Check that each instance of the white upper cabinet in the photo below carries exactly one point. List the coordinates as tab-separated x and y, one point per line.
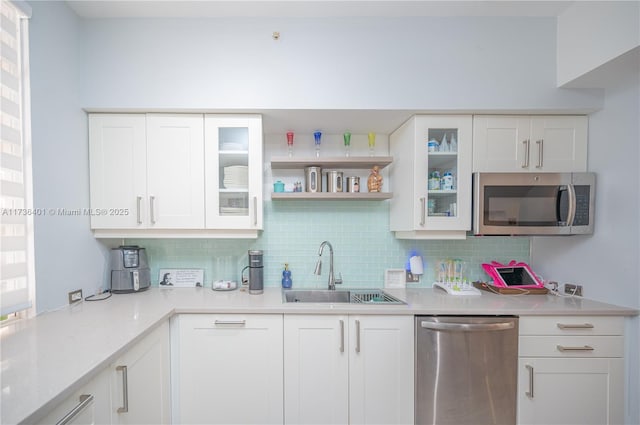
117	162
147	171
526	143
233	156
175	171
431	175
175	175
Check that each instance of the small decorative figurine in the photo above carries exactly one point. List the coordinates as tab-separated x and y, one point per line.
374	182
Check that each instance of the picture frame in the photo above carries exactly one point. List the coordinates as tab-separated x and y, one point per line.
181	278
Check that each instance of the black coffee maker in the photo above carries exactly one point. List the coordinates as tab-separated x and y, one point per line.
256	272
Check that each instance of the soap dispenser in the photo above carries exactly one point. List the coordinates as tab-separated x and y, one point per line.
286	277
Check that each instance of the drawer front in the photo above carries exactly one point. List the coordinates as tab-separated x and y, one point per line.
229	321
571	346
571	325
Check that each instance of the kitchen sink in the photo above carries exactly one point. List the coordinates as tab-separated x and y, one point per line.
352	296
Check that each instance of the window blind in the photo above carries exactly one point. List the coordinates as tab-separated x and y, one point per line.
16	203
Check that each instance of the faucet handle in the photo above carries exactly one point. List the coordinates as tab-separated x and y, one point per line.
338	281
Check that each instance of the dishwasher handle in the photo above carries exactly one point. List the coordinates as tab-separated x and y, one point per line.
467	327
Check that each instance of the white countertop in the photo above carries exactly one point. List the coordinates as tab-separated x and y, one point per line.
46	358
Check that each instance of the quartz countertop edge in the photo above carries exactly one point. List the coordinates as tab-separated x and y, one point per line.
68	347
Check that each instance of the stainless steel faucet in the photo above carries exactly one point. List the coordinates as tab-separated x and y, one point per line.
332	280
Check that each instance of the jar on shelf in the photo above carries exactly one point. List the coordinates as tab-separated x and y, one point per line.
447	181
434	181
432	145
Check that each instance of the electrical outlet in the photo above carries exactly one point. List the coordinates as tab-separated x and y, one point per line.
412	278
75	296
572	289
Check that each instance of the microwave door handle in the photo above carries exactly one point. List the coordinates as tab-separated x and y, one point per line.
571	216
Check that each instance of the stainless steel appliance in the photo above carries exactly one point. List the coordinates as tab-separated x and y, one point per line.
256	272
533	203
466	370
129	269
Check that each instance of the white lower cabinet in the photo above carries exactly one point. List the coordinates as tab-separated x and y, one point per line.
141	390
89	405
348	369
571	370
227	369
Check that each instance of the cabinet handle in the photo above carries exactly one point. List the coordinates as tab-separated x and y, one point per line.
530	392
85	401
139	209
562	348
152	208
255	211
525	164
125	390
342	336
230	322
357	336
575	326
540	144
422	211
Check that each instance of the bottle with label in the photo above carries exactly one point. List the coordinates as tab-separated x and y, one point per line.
434	181
447	181
286	277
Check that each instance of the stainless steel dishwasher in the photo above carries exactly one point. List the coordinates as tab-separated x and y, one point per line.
466	370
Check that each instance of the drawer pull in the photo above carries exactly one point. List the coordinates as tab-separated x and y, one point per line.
562	348
85	401
230	322
575	326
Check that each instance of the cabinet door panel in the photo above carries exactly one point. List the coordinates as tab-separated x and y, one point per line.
501	144
233	194
229	369
559	144
148	381
570	391
317	370
118	169
175	171
381	369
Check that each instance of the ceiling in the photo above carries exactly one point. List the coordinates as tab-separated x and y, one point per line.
311	8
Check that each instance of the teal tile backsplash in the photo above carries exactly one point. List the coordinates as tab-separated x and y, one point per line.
359	232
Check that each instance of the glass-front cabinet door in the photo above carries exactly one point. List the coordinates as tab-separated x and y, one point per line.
443	165
233	158
432	163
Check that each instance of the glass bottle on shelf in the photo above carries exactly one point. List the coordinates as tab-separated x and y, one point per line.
347	143
372	143
290	143
317	136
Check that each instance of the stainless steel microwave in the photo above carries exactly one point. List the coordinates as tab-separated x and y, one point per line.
533	203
